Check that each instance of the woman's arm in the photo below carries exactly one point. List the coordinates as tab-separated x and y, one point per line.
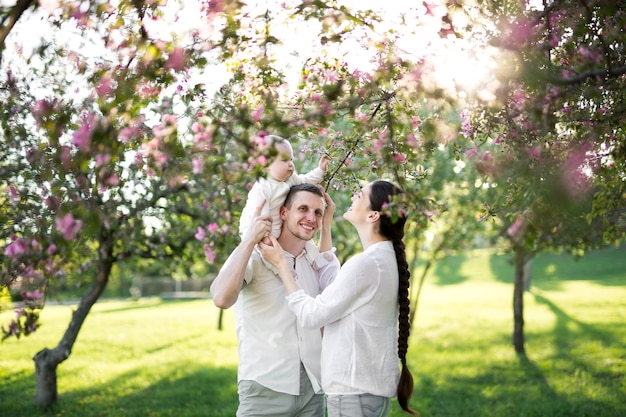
326	237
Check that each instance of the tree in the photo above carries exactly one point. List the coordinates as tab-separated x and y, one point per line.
553	135
129	155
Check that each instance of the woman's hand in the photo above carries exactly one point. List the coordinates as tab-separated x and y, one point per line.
273	252
329	211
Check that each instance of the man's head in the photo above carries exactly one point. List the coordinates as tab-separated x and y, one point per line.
302	212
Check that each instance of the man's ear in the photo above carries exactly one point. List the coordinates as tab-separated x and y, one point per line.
282	212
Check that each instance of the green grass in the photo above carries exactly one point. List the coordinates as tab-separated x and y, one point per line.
155	358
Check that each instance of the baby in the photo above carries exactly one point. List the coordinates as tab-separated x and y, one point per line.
281	175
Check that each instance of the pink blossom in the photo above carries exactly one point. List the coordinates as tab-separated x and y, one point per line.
471	152
52	249
212	227
82	137
213	7
13	193
102	159
104	87
16	249
411	140
196	127
66	155
199	233
52	203
260	141
110	179
377	146
68	226
198	166
36	245
256	115
575	180
466	126
210	255
40	109
515	227
148	91
49	5
127	133
32	295
534	152
176	59
399	157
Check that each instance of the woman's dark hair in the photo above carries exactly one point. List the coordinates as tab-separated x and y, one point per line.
392	227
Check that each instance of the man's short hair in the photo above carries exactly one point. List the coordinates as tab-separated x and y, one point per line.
295	189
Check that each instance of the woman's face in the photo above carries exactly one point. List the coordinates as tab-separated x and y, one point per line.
360	208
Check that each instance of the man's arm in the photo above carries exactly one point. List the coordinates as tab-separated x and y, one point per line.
229	281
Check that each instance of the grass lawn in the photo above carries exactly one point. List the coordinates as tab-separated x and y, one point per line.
167	358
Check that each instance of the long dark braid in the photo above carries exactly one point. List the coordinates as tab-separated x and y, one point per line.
382	193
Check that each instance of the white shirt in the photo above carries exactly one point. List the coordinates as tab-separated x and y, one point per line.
271	342
359	312
274	192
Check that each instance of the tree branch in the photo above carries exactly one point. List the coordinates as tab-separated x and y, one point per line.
9	21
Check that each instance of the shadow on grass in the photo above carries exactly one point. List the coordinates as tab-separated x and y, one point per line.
139	305
448	271
549	270
204	392
515	390
566	332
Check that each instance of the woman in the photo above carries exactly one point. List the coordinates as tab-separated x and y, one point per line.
361	312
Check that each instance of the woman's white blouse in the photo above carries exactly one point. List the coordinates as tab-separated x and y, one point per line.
359	313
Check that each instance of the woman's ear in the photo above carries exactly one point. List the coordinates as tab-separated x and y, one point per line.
373	217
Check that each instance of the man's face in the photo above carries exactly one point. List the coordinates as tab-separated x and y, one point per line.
304	216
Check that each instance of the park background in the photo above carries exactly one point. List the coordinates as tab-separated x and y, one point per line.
155	357
129	135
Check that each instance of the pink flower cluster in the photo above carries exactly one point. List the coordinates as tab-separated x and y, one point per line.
212	228
68	226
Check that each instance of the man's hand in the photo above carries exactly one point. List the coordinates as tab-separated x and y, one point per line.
261	226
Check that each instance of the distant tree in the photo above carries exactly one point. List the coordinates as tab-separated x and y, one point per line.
552	137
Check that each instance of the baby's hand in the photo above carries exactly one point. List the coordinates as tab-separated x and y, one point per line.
324	160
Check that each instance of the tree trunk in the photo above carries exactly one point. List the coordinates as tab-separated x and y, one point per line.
220	319
528	274
445	236
47	360
518	302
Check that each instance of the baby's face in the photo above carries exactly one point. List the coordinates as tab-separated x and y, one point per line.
282	167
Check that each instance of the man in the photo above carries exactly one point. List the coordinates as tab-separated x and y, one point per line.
279	361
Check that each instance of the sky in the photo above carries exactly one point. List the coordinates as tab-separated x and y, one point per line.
301	40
